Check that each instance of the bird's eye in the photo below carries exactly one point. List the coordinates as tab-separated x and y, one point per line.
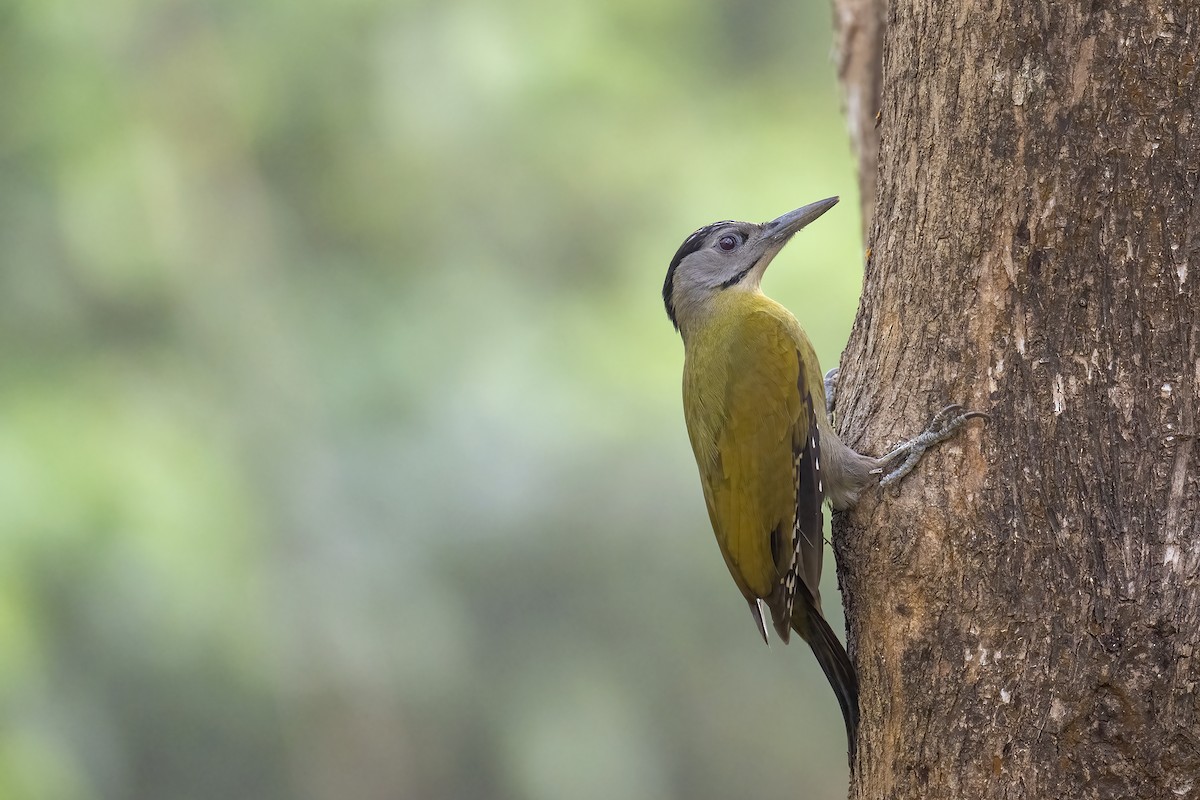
727	242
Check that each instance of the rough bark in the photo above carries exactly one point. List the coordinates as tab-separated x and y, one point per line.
1024	611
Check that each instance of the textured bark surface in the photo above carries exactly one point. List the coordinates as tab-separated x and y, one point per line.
1024	611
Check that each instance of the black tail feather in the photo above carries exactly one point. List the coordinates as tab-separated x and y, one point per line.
834	662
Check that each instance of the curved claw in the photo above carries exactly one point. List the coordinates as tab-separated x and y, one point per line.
943	425
940	417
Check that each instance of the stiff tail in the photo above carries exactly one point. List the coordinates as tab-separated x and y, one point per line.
809	623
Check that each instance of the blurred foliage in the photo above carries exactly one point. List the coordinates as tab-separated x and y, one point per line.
340	435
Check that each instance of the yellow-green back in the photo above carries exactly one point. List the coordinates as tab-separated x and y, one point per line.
747	412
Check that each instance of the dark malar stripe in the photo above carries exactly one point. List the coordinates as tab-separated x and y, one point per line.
737	278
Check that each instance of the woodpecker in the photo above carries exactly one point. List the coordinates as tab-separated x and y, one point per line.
758	416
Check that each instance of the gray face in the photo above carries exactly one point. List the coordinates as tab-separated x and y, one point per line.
728	254
713	258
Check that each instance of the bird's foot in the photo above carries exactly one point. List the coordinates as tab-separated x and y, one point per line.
831	379
944	425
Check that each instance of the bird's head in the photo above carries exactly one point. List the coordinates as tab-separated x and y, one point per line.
728	255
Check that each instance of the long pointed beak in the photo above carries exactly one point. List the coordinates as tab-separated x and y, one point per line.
782	229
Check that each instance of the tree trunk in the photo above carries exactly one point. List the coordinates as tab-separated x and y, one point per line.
859	26
1024	611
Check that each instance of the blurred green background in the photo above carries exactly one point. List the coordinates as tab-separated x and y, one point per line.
340	435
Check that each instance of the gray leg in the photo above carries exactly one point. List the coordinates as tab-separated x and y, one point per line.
944	424
831	379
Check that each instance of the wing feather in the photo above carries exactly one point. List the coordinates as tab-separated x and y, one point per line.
810	497
751	487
